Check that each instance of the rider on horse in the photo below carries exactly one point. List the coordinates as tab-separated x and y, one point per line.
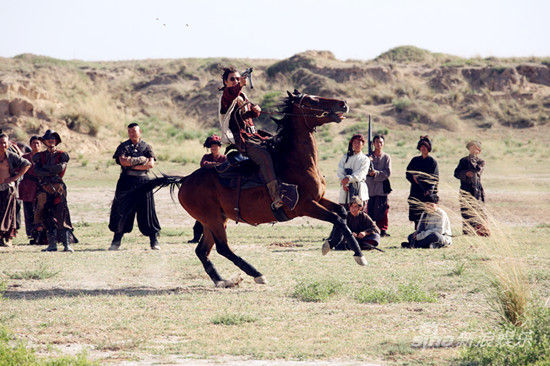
242	133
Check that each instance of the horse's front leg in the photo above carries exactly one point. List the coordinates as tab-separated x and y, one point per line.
222	247
318	211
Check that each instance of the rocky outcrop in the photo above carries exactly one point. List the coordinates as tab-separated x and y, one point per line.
538	74
492	78
19	107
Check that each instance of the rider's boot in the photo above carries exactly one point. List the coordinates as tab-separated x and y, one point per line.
275	194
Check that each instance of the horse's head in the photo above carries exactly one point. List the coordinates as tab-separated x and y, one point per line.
315	110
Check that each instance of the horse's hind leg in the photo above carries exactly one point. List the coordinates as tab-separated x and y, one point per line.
203	251
222	247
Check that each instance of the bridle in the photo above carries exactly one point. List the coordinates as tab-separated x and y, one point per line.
303	111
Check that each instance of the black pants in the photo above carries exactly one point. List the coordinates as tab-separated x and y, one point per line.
126	207
338	242
433	240
28	210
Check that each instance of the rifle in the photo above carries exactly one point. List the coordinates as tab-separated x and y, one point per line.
248	74
371	151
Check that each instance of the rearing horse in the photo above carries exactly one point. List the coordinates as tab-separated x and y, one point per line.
212	204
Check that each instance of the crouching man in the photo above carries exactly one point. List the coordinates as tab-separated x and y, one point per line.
434	227
362	228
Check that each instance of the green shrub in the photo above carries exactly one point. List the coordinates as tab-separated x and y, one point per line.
526	345
80	122
316	291
401	104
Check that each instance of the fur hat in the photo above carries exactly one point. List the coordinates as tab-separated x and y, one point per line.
51	134
214	139
424	140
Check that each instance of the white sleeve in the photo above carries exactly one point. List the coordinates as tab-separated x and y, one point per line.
360	174
340	172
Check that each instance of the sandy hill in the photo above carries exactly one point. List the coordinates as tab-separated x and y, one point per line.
91	102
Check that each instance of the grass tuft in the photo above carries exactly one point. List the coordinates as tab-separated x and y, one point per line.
316	291
458	270
404	293
526	345
232	319
41	273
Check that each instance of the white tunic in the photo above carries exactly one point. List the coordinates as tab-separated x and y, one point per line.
436	222
359	165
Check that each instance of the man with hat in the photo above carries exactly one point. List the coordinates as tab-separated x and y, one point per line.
135	158
214	143
471	192
51	196
423	173
12	167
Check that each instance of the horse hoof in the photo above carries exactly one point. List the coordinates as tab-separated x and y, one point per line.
360	260
325	248
260	280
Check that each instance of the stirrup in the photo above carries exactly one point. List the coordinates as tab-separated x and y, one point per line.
279	213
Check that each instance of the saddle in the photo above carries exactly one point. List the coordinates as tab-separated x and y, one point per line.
239	172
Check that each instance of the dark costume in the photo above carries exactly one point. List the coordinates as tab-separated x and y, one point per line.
8	196
377	205
426	171
51	212
122	218
357	224
28	188
471	194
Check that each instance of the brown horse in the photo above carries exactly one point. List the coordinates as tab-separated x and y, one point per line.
212	204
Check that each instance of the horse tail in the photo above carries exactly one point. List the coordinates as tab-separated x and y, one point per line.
128	198
172	181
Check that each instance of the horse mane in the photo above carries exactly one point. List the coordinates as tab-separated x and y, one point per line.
284	124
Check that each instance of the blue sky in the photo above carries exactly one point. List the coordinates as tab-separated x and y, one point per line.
351	29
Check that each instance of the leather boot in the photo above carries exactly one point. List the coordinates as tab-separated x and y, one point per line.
66	240
115	244
275	194
52	241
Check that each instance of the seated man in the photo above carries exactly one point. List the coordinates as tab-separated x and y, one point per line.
362	228
434	227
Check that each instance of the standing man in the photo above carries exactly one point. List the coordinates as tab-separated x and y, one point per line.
352	171
423	173
135	157
51	212
379	187
12	167
472	195
27	191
